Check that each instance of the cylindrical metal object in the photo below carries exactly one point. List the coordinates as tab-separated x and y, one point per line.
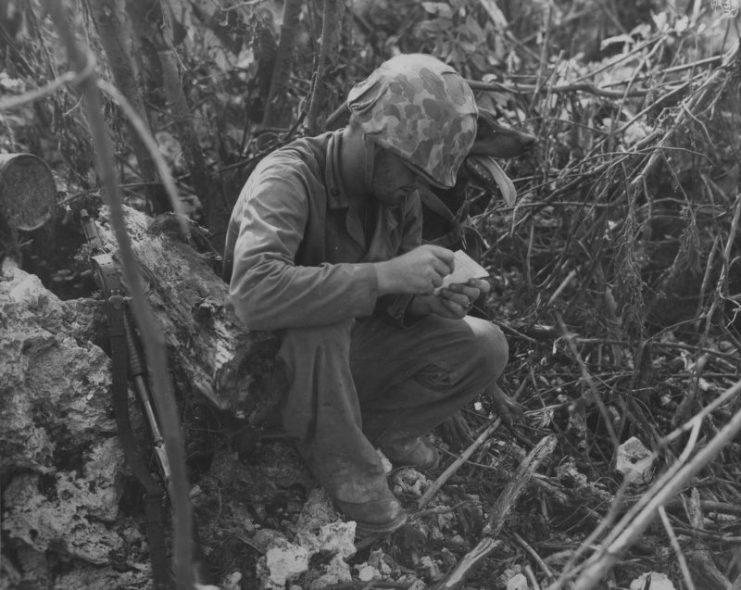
27	191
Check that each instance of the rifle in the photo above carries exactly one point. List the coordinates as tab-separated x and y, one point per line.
127	366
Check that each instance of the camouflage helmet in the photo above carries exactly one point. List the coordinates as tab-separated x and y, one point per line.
421	110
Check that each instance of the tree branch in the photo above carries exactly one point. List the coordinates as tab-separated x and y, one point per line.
154	349
275	106
330	41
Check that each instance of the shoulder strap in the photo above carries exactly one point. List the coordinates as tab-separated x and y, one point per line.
433	202
455	235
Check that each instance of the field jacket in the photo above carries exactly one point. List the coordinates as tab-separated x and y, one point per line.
297	256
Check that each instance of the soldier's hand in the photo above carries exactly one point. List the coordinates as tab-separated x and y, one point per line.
415	273
453	302
458	299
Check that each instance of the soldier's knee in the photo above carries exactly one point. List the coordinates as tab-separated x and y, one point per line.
489	348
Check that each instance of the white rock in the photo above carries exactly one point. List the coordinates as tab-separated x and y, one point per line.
335	572
652	581
232	581
517	582
431	568
635	461
286	561
319	527
366	573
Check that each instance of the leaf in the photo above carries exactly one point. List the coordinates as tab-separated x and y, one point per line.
474	30
440	9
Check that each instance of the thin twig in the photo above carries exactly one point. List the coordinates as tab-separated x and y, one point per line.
50	88
695	421
677	549
606	417
569	569
722	286
660	493
498	514
149	142
465	456
154	347
458	463
533	554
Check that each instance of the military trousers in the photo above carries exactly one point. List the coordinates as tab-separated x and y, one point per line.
361	384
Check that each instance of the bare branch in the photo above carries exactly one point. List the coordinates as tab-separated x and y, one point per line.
154	349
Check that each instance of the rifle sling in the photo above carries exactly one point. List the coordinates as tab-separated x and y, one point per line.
152	490
435	204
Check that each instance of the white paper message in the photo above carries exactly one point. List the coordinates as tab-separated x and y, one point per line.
465	268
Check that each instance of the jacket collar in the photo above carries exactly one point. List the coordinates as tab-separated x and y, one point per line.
337	199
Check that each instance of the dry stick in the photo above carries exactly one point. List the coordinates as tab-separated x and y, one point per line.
530	574
604	559
672	70
562	286
727	254
472	559
694	99
700	416
690	398
458	463
701	556
570	571
275	109
151	145
528	88
589	542
586	86
649	108
182	117
709	265
533	554
677	549
590	382
465	456
110	24
539	81
50	88
330	40
154	348
498	514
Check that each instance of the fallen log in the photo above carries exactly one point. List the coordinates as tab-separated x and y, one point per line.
212	357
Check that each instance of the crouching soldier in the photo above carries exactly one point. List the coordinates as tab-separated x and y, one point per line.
324	244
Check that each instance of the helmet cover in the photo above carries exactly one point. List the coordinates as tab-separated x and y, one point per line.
421	110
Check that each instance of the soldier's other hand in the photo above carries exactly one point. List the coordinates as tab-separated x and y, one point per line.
417	272
458	299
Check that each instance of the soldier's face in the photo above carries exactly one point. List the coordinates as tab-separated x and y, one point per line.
393	181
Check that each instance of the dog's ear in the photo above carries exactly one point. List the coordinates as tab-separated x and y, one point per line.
498	141
485	171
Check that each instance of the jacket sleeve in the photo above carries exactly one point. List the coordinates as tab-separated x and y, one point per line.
268	290
393	308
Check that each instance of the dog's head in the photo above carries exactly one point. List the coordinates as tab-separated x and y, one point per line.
493	141
441	208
